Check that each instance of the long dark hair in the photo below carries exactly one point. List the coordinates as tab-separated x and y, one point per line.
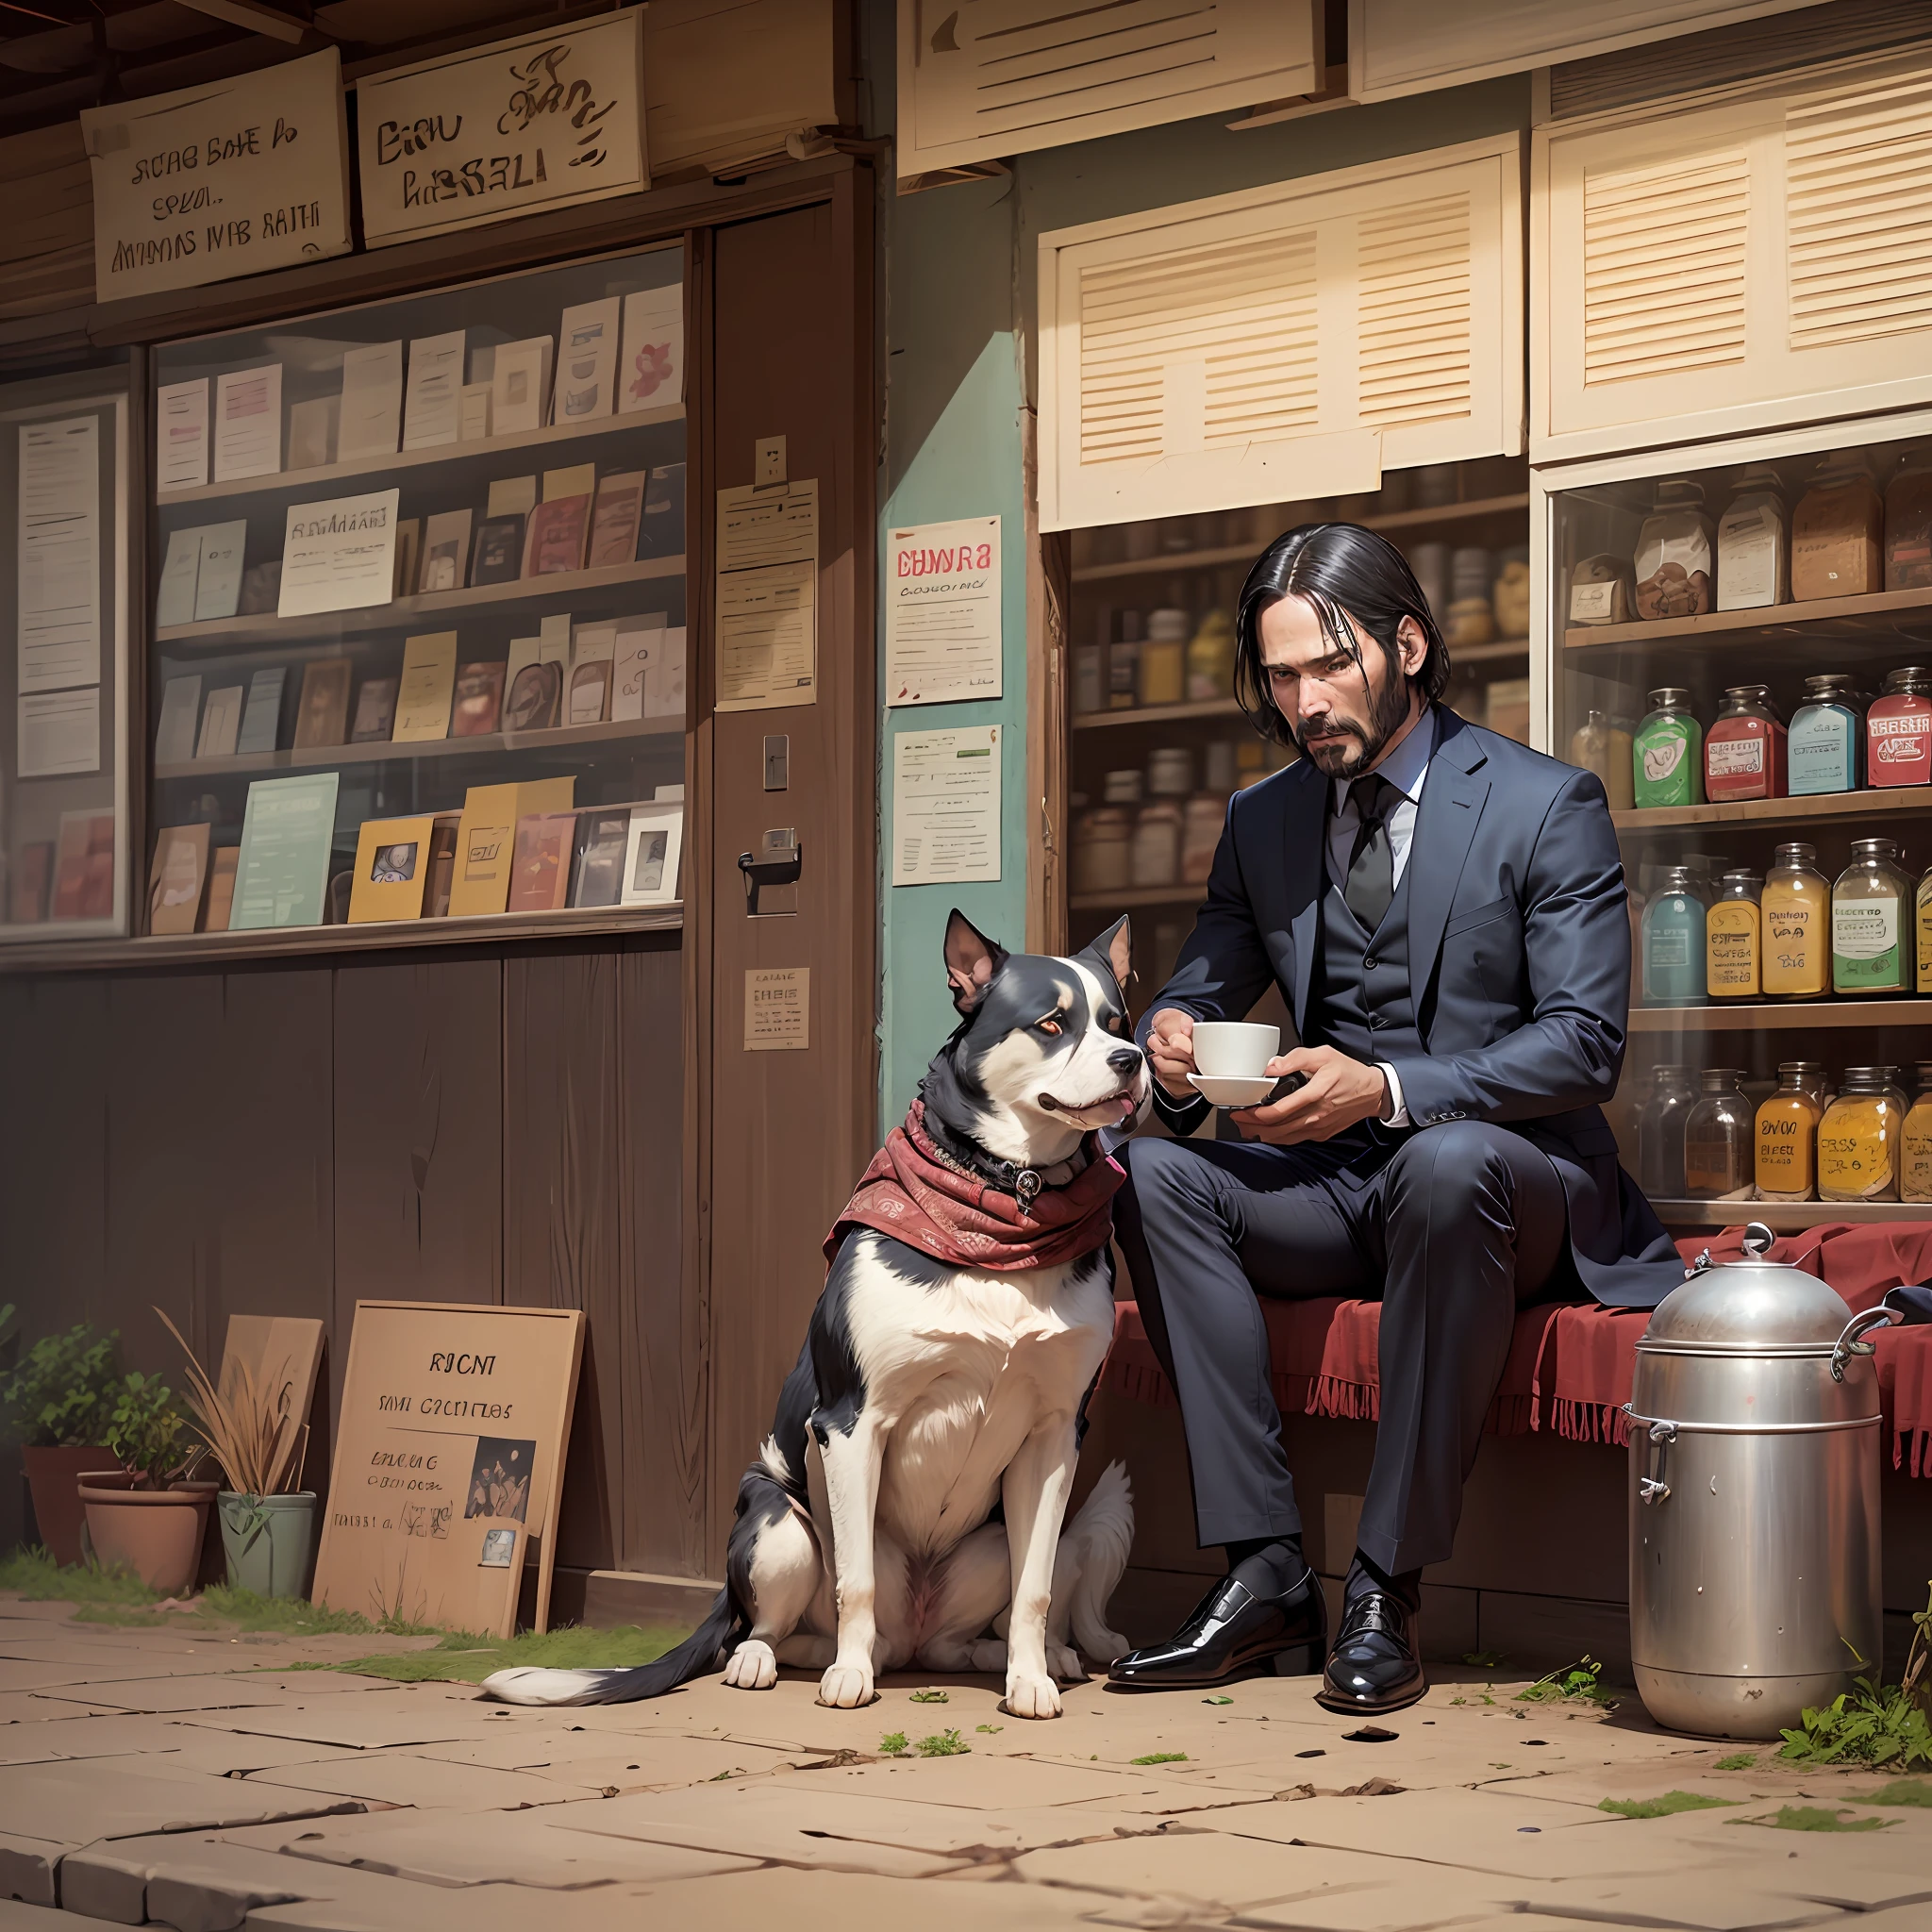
1337	568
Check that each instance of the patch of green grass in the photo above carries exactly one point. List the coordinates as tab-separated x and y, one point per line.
930	1697
893	1744
1871	1724
1161	1757
1815	1818
1665	1806
1581	1682
946	1744
1738	1760
36	1575
463	1658
989	1730
1902	1790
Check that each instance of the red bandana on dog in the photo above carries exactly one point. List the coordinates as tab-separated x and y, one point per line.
917	1197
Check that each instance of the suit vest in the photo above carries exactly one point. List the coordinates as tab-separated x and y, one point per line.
1359	1000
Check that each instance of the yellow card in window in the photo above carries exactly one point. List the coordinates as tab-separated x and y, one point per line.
428	682
391	869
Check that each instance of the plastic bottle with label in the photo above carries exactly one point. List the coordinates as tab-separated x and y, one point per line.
1796	906
1898	731
1734	939
1873	948
1674	944
1667	754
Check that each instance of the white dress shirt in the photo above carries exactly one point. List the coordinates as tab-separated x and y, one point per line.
1406	768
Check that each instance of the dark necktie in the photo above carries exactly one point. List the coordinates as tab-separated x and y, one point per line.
1372	864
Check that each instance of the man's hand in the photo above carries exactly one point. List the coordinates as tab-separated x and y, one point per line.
1171	1049
1339	1093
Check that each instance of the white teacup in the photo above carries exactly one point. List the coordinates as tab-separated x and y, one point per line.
1234	1048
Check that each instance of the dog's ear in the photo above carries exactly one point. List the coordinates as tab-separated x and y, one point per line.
971	960
1113	949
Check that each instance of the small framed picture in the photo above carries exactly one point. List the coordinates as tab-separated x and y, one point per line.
652	855
499	1547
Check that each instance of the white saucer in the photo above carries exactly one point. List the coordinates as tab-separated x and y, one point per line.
1234	1089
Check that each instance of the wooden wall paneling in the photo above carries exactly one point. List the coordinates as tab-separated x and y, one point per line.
661	1349
792	1130
560	1217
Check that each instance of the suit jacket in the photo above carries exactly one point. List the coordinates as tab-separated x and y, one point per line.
1519	965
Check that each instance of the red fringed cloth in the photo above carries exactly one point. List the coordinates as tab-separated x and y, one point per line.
1570	1366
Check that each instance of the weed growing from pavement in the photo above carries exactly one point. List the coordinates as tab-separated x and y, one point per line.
893	1744
1161	1757
1815	1818
946	1744
989	1730
1581	1682
1739	1761
1665	1806
930	1697
1882	1724
36	1575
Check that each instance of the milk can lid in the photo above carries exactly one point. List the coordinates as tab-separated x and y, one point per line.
1749	1306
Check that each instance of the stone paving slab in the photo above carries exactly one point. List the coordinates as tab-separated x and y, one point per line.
118	1734
973	1781
392	1777
767	1900
639	1764
355	1724
29	1868
122	1797
171	1696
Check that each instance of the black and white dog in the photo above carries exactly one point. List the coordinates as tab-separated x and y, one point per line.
908	1503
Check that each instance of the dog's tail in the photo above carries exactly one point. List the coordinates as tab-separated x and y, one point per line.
700	1651
1091	1562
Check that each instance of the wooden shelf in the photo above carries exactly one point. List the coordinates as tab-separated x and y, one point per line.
1130	898
1388	522
404	613
1751	1016
385	750
291	481
1857	613
1778	812
1786	1217
1158	714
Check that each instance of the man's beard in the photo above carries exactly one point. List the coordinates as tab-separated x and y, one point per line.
1354	747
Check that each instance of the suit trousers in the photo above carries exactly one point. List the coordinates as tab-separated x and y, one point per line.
1463	1224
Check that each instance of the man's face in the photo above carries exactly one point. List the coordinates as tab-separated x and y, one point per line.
1343	713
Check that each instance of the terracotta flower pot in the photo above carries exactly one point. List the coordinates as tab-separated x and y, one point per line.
51	1476
156	1533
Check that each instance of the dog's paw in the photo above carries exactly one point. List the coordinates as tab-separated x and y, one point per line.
753	1667
1032	1697
845	1687
1065	1665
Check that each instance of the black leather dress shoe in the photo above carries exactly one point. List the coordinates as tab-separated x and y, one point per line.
1231	1630
1374	1667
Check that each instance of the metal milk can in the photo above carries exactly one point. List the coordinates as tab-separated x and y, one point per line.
1753	1498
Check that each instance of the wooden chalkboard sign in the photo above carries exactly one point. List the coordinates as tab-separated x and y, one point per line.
449	1462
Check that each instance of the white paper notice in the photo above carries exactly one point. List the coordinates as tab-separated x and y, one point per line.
946	805
181	436
942	612
249	423
436	391
59	597
778	1010
372	402
339	556
767	597
60	733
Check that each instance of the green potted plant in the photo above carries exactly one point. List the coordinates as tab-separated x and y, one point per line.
145	1515
268	1525
58	1400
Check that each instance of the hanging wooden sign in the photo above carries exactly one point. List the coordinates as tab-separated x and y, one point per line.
541	122
217	181
449	1462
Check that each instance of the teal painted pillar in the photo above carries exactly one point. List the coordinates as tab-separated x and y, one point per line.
969	464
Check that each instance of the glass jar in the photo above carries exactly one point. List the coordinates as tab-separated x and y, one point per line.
1745	750
1838	532
1222	767
1674	944
1509	594
1754	558
1673	563
1869	947
1170	772
1719	1161
1210	658
1898	731
1660	1133
1430	563
1816	1081
1163	657
1796	908
1090	677
1909	529
1858	1140
1155	857
1102	839
1824	750
1124	664
1734	939
1667	754
1923	980
1915	1149
1787	1138
1598	746
1125	787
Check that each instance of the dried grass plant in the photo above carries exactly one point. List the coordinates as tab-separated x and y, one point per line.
247	1425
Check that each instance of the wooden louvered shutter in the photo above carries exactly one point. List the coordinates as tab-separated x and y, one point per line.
1762	259
979	79
1289	341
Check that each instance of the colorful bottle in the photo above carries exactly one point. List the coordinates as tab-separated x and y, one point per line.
1598	746
1869	942
1660	1133
1745	750
1210	658
1674	944
1858	1140
1824	750
1667	754
1753	560
1787	1138
1718	1131
1915	1142
1796	908
1163	657
1898	731
1734	939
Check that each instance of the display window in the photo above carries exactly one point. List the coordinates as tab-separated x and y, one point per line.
418	622
1741	649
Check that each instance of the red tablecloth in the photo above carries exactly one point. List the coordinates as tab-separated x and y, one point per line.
1570	1366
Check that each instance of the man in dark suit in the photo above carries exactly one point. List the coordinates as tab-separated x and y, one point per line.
1444	913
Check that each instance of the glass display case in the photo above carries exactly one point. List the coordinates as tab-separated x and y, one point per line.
417	632
1741	648
1155	741
64	783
